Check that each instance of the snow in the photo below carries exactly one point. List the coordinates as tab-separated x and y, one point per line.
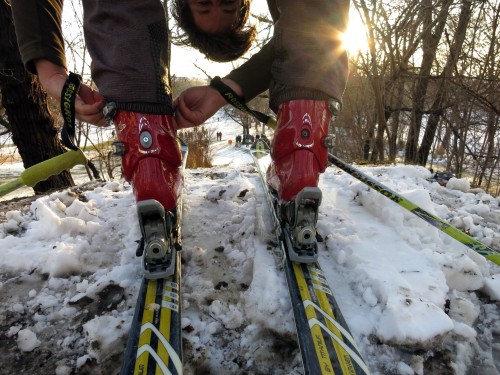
411	295
27	340
461	184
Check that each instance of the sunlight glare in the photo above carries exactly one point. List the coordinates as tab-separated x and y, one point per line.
354	39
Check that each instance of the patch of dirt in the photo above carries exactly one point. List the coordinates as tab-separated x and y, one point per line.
16	204
62	341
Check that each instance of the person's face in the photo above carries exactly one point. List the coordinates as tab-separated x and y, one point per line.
215	16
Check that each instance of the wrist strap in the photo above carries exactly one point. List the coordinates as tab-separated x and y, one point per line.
68	96
238	101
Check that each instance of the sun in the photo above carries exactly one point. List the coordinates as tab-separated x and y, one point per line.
354	39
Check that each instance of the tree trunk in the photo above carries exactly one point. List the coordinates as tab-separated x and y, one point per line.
392	136
430	40
441	96
367	143
493	119
33	128
380	113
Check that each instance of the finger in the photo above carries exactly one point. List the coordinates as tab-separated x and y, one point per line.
89	95
99	120
180	100
91	113
86	94
186	112
84	108
94	119
176	102
182	122
102	123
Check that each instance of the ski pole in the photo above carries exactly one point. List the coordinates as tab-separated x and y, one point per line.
457	234
443	226
238	102
42	171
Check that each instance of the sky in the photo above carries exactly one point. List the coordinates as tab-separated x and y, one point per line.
416	301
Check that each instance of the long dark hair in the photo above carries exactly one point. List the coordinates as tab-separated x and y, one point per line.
220	48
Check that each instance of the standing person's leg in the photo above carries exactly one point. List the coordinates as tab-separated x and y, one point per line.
129	46
130	50
309	75
310	61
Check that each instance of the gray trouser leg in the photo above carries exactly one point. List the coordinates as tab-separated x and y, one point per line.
309	60
129	46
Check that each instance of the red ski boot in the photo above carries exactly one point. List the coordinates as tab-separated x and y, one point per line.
151	161
299	155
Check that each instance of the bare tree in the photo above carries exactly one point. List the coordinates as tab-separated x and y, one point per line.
33	128
429	81
432	31
443	87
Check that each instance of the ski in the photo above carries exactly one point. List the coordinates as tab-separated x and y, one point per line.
459	235
325	341
154	345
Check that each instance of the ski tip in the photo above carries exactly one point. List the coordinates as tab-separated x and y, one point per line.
260	145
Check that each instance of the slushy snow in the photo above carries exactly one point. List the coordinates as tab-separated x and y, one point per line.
411	295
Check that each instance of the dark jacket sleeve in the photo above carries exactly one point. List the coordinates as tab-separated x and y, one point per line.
305	59
254	76
38	30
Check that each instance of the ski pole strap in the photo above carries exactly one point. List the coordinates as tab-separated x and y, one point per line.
68	96
239	102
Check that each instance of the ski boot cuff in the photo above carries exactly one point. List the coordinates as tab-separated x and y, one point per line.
280	94
147	108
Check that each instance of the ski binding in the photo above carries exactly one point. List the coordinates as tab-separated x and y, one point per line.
302	230
158	247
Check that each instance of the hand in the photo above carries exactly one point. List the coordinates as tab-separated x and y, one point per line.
88	103
197	104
